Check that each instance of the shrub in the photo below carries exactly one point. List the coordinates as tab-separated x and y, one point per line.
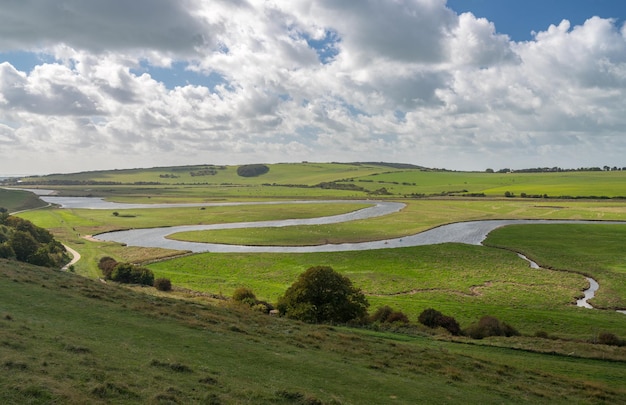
122	272
490	326
435	319
386	314
610	339
450	324
322	295
128	273
397	316
245	296
163	284
142	275
6	251
430	317
106	265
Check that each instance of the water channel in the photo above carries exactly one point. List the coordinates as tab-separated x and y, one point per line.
470	232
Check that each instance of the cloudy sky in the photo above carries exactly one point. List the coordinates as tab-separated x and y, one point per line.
462	84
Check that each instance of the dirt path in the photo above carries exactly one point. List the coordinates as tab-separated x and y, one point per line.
75	257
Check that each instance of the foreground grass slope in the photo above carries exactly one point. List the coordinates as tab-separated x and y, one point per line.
67	339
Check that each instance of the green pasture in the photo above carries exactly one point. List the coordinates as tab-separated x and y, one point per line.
593	250
572	184
464	281
68	339
72	226
177	182
280	173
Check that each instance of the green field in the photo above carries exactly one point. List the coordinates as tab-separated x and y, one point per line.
19	200
463	281
68	339
293	180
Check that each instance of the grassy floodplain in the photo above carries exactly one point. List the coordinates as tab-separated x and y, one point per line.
594	250
459	280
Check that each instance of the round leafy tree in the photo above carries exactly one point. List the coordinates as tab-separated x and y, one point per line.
321	295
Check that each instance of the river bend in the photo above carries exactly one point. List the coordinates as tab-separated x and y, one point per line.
470	232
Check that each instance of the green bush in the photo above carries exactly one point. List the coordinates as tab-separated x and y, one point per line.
130	274
386	314
163	284
6	251
106	265
245	296
430	317
321	295
490	326
435	319
610	339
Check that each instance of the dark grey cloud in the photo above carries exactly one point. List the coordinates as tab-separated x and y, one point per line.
99	25
407	31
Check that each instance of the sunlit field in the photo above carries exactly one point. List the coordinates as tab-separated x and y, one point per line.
462	281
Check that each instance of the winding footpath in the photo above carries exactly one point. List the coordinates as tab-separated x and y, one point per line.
470	232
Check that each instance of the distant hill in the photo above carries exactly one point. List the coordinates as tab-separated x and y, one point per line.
393	165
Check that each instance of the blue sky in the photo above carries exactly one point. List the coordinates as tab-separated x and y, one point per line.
87	85
518	19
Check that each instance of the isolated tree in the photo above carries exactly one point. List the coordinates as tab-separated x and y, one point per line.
321	295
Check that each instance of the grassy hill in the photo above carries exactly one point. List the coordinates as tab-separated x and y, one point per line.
18	200
68	339
343	180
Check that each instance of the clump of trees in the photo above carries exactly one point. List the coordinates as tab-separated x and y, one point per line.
321	295
252	170
126	273
23	241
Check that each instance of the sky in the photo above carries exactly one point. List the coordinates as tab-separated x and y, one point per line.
458	84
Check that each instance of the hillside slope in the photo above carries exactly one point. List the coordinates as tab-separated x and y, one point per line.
67	339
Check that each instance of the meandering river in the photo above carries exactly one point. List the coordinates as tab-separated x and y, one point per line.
470	232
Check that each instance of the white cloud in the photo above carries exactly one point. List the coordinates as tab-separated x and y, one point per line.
408	80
